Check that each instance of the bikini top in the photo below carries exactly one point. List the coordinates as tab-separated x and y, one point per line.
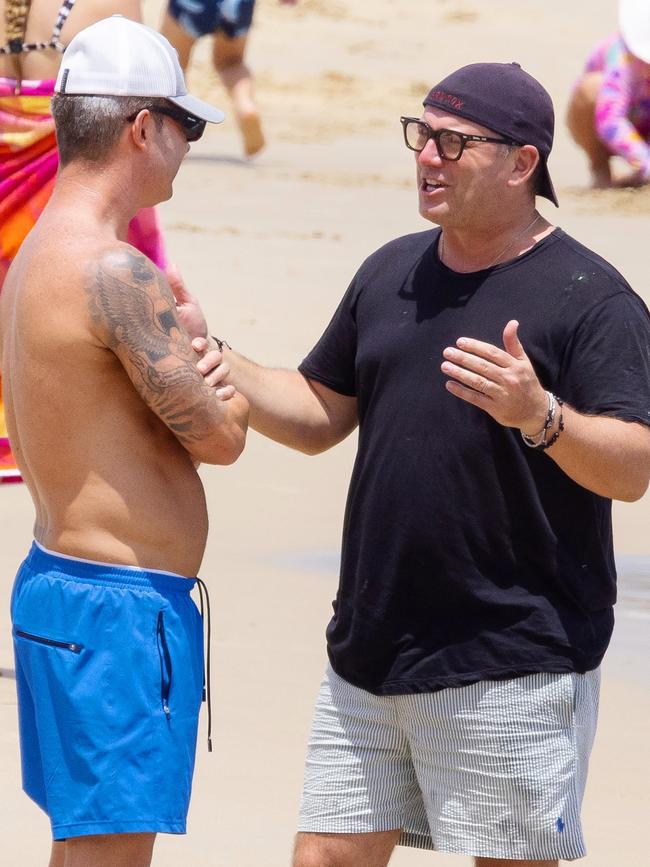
16	13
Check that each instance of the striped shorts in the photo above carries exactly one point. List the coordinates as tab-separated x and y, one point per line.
496	769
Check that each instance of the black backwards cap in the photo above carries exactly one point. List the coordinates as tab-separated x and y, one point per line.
505	99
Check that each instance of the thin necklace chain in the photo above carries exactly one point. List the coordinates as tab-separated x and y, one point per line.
510	243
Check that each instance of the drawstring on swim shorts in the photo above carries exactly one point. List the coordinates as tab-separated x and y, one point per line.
206	661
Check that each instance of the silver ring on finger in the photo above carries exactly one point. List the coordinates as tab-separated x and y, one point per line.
482	386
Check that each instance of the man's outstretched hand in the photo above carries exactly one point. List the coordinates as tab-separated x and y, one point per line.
502	382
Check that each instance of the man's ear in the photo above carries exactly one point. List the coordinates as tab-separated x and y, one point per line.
140	129
526	160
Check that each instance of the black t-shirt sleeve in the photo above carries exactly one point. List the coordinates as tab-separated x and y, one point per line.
332	360
606	366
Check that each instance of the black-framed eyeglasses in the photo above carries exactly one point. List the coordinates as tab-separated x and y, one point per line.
449	143
193	127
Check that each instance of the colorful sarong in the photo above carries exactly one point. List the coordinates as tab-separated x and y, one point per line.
28	166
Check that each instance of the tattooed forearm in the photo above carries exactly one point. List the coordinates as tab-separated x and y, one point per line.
134	311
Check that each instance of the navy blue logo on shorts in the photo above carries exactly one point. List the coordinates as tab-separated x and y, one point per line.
559	824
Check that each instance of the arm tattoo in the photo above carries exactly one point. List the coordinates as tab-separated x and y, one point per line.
135	313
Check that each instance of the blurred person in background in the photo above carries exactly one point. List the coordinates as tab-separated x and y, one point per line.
32	39
609	110
228	21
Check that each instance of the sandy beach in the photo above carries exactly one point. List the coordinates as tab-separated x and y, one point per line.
269	247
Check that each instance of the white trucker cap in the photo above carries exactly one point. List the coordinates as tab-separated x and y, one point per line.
634	24
120	57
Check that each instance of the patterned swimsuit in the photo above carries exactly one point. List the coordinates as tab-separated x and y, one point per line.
623	102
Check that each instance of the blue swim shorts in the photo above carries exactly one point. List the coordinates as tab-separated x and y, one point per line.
109	673
200	17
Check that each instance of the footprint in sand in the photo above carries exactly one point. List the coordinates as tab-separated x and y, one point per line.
628	200
461	16
362	47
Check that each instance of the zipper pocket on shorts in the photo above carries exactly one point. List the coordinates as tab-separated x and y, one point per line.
165	665
49	642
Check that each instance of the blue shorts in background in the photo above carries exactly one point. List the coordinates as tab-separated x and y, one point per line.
109	673
200	17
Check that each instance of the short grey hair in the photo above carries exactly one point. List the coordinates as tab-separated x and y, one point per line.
88	127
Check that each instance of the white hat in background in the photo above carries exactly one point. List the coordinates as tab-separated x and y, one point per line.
120	57
634	24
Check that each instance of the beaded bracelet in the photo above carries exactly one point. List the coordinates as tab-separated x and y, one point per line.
559	430
536	441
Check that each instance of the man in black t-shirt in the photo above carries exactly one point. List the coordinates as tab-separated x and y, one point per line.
499	373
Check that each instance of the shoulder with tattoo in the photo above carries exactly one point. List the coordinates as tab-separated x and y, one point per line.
133	313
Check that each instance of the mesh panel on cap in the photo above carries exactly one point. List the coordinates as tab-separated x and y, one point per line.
122	58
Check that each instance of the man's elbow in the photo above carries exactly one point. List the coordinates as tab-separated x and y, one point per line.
223	452
232	451
311	447
635	490
227	441
636	483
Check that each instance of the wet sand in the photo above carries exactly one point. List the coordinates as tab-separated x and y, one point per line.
269	247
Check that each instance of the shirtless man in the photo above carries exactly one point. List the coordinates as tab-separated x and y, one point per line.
109	661
33	36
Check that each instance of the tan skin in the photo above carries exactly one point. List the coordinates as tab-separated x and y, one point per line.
581	122
484	203
228	59
42	15
127	490
371	850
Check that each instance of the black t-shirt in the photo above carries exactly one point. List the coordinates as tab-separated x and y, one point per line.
466	555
